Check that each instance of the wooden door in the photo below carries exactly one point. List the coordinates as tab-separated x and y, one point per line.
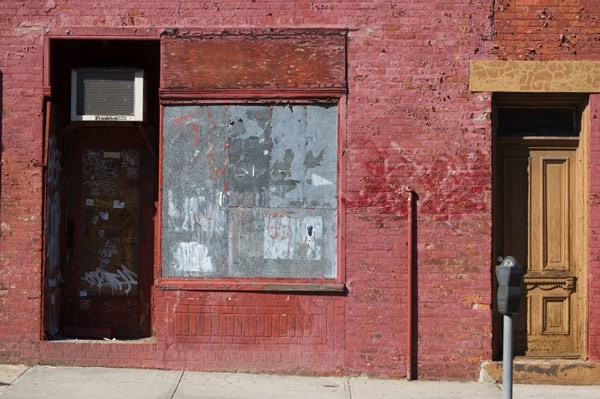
111	208
539	227
553	319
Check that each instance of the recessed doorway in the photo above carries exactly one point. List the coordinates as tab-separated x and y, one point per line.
540	174
101	188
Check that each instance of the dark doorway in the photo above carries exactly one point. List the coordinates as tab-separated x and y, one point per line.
101	191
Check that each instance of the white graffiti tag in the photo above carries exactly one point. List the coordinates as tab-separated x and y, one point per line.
123	278
106	252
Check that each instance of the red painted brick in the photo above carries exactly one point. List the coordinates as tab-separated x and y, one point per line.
410	123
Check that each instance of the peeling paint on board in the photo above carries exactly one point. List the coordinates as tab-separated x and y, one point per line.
250	190
194	199
190	256
248	156
283	242
287	237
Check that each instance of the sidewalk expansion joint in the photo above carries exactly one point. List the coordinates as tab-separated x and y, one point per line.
347	388
177	385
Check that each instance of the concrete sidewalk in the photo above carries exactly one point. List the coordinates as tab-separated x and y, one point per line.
98	382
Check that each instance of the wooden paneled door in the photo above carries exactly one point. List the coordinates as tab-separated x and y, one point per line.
540	187
553	319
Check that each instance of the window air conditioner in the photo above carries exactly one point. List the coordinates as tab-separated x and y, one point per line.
107	94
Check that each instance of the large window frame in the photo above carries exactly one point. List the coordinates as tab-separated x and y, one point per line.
257	283
249	67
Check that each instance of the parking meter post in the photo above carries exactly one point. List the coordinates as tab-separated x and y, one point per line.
508	297
507	358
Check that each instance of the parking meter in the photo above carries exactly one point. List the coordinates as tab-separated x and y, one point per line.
509	274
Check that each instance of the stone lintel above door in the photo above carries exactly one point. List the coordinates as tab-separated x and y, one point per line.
535	76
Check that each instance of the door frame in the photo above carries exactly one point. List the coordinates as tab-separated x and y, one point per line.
582	189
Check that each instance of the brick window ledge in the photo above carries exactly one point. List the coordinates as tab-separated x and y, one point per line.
260	285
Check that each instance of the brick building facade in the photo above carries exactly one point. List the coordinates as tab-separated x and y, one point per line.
301	175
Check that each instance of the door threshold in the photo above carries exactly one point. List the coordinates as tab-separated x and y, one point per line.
550	358
120	340
555	371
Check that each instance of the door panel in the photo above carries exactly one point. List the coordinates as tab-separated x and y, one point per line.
552	194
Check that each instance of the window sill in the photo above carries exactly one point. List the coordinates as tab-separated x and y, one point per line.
256	285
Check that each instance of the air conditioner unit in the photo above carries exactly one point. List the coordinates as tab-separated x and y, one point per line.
107	94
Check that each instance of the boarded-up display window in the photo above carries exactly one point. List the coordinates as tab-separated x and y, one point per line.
250	191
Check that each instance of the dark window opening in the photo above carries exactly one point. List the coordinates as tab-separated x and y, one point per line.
537	121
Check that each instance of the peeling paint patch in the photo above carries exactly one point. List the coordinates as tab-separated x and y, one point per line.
293	238
191	257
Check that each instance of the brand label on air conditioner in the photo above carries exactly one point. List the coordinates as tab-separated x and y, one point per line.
110	118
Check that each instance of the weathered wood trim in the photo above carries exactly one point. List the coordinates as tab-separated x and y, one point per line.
197	284
178	96
311	60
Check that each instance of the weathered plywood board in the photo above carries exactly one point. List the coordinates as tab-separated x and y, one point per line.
294	243
250	190
254	61
194	202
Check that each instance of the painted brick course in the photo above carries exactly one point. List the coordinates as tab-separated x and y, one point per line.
411	124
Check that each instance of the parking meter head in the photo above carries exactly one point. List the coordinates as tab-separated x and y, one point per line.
509	275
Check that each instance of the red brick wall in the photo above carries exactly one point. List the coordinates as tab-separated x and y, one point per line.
547	29
20	186
411	123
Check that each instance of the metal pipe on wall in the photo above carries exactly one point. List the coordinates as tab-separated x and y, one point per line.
410	261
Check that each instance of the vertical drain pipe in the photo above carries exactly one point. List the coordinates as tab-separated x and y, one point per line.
409	333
